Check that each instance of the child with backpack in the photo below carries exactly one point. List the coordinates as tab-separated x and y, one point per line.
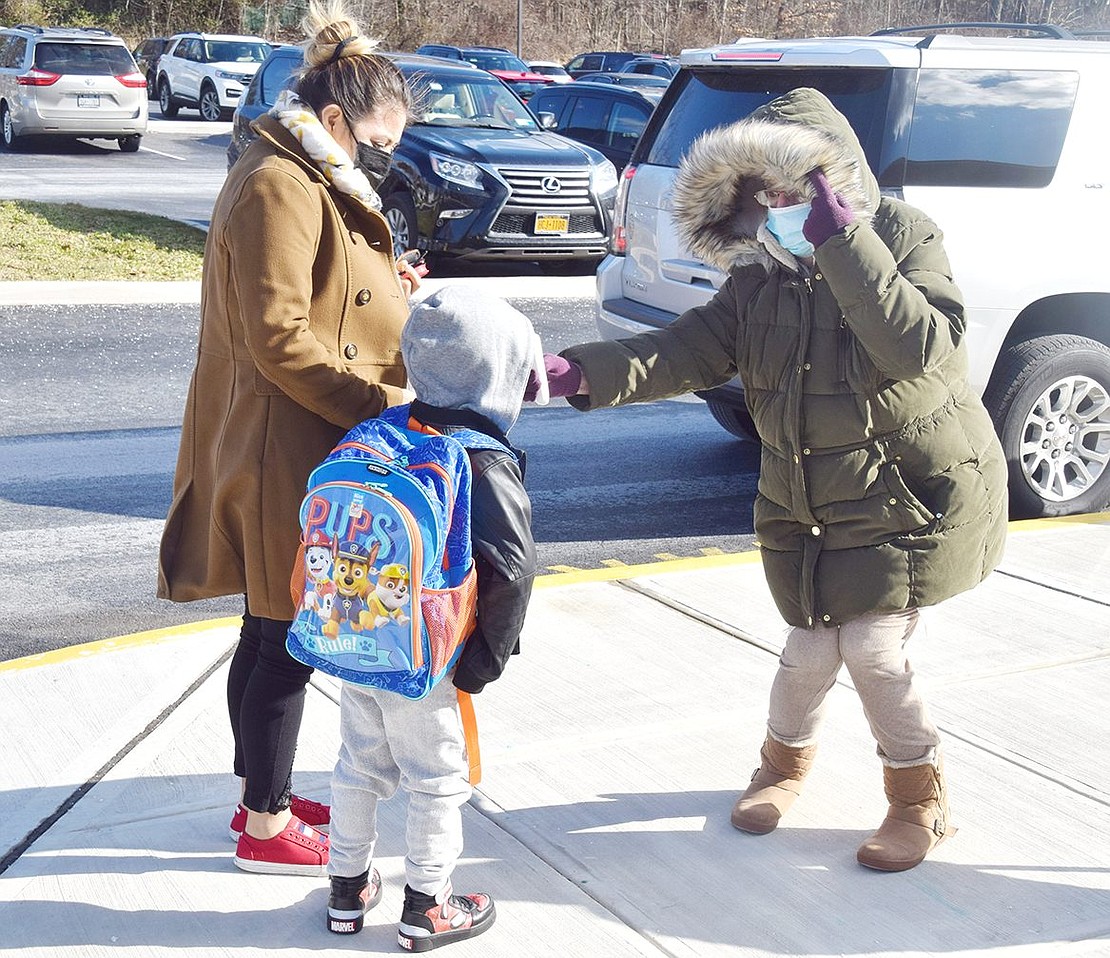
468	358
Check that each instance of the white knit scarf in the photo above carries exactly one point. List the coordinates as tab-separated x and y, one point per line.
297	117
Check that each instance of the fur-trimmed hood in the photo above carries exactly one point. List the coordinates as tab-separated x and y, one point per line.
775	147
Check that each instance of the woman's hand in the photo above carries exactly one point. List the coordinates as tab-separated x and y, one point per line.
410	278
564	378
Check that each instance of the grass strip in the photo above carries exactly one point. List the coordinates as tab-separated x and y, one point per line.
67	241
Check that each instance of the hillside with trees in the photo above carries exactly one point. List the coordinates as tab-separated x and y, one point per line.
555	29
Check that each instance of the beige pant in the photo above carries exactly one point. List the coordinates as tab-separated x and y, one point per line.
873	647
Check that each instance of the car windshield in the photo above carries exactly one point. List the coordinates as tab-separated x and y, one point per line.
235	51
496	61
478	102
84	59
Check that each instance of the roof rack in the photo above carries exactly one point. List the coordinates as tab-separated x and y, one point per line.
100	31
1045	29
1086	34
28	26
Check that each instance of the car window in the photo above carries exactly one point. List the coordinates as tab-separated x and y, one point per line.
14	53
234	51
275	77
626	123
586	120
705	99
551	101
83	59
495	61
454	102
988	127
187	50
589	63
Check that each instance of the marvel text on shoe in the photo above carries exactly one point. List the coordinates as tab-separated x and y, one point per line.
457	918
349	900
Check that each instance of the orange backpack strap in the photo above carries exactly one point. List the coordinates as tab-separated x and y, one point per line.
470	735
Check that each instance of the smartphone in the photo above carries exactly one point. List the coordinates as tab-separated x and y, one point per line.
415	259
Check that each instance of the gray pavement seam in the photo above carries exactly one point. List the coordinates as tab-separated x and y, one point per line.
17	850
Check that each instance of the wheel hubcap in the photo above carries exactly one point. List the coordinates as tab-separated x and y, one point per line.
211	106
1065	444
7	128
399	227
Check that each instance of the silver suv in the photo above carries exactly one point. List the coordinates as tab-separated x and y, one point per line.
1003	143
70	82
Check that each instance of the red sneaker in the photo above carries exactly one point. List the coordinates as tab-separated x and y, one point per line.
310	812
299	850
427	923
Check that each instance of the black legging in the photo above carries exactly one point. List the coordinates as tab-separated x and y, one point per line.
265	699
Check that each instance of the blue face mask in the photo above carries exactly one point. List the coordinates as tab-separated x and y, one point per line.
785	224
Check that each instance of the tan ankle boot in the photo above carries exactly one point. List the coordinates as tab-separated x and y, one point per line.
775	785
915	823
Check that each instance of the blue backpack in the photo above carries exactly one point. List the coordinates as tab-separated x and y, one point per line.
385	583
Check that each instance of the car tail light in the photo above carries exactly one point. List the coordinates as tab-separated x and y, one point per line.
133	80
37	77
618	244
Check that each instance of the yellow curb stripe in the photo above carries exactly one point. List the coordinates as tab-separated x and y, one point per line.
563	576
566	576
86	649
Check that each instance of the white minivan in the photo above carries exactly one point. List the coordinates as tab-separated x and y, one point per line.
1003	142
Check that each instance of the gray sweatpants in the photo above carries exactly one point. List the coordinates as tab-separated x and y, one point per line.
873	647
388	740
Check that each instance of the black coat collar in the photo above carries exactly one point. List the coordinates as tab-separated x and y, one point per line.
466	418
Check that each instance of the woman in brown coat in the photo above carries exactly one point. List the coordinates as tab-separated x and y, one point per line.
301	314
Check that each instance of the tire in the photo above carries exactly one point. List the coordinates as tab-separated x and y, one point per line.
209	105
400	214
165	99
151	87
130	144
7	129
735	419
1049	398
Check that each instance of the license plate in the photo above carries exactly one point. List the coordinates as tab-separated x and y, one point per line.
90	100
552	223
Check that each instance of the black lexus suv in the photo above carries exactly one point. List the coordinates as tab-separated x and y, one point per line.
476	176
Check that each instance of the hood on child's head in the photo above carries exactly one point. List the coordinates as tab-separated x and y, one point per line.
464	349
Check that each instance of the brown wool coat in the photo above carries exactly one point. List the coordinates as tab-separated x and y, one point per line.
301	316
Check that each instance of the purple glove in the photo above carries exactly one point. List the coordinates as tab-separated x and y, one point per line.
563	378
828	213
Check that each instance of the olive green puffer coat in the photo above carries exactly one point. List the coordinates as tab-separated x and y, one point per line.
882	484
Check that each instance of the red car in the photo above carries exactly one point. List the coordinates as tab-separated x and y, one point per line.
500	62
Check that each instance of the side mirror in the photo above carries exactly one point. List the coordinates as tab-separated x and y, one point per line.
547	120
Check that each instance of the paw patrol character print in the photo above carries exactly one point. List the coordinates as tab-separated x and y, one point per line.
325	603
390	595
319	551
353	568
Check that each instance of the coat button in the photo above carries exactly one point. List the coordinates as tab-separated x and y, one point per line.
362	297
806	452
816	530
350	351
826	618
819	276
893	502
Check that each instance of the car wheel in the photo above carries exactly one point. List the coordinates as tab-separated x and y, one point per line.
735	419
11	138
210	108
165	99
400	214
1049	398
130	144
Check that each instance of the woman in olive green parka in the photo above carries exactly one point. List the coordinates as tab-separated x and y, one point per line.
882	486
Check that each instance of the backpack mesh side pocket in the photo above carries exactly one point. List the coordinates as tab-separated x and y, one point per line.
449	617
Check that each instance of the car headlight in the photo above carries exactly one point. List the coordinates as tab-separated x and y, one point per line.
225	75
456	171
605	177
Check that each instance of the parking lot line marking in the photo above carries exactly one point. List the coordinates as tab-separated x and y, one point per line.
147	149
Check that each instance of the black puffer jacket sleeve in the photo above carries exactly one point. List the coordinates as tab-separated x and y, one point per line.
505	558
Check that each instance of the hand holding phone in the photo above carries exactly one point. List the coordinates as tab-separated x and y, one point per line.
414	260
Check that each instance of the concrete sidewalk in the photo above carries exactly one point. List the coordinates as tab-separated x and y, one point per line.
612	751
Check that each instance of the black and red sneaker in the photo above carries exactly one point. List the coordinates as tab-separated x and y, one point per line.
350	900
427	923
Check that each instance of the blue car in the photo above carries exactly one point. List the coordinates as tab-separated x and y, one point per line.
476	176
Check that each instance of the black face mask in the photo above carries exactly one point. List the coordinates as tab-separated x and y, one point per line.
372	160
